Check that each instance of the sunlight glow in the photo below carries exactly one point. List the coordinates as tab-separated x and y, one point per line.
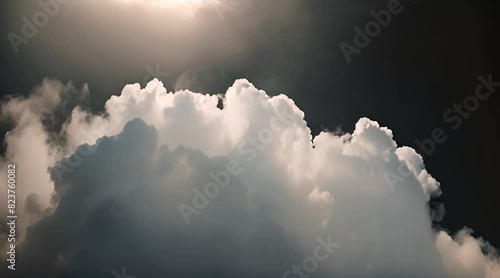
184	7
166	2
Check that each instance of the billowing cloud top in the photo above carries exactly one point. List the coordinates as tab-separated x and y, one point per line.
182	185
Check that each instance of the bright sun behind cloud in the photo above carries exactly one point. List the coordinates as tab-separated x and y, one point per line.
166	2
183	7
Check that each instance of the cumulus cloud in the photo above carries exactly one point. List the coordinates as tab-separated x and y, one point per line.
171	185
466	256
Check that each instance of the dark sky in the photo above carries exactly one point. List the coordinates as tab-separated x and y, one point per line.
428	58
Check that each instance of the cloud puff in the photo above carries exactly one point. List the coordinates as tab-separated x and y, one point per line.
466	256
170	185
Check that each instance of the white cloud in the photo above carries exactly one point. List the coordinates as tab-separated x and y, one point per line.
466	256
118	197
